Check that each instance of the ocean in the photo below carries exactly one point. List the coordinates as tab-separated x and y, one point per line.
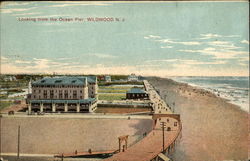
234	89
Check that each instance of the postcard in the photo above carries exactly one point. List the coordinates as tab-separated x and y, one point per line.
124	80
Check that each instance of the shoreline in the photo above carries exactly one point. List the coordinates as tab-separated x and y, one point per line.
213	128
211	92
217	93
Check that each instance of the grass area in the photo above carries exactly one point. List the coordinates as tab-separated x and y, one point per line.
117	87
4	104
13	84
119	83
17	97
112	89
110	97
3	96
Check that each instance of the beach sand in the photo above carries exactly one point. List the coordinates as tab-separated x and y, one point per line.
56	135
213	129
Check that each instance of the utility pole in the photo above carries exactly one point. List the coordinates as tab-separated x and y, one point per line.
0	136
18	142
163	125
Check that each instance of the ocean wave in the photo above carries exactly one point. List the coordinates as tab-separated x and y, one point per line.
230	90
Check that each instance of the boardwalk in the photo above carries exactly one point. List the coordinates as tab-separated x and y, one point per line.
76	154
152	145
149	147
159	106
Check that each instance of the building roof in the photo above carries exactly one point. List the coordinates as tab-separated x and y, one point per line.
136	90
65	80
89	100
91	79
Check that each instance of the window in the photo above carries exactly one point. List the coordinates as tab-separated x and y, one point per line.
60	94
51	93
80	91
74	94
175	123
66	94
45	94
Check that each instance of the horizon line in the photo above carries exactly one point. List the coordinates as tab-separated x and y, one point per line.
58	74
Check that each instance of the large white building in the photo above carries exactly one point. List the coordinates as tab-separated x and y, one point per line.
132	78
64	94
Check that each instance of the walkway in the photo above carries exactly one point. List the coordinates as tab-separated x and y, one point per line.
80	116
152	145
159	106
76	154
149	147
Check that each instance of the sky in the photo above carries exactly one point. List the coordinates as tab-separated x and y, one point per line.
145	38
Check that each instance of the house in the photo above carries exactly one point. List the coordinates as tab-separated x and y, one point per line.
64	94
108	78
136	93
132	78
10	78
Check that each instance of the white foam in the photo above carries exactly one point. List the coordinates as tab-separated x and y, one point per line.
236	95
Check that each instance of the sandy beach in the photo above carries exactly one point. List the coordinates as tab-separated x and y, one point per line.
213	129
56	135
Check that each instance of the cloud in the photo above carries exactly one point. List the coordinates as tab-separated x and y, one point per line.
163	47
196	62
162	60
26	14
3	58
223	44
218	53
165	41
210	36
41	65
102	55
9	3
70	4
16	10
189	43
152	37
65	58
187	62
245	42
38	65
22	62
171	41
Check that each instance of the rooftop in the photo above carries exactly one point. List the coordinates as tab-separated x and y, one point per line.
65	80
136	90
